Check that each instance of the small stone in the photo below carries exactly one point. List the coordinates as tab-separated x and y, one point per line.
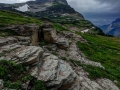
24	86
62	43
1	84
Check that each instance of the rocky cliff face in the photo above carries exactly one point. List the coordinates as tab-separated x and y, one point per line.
112	29
47	1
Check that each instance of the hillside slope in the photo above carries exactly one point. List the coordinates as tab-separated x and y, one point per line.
53	56
12	18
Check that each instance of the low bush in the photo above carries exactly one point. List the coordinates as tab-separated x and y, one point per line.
14	75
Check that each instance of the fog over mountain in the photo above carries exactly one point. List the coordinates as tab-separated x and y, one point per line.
100	12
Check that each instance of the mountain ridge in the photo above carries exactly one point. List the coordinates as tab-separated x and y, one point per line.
45	8
112	29
57	11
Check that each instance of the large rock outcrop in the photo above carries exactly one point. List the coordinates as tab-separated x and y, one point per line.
55	72
46	31
30	30
14	51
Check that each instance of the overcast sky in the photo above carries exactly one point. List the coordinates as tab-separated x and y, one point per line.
98	11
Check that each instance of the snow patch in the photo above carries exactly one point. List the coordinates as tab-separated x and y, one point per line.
84	31
23	8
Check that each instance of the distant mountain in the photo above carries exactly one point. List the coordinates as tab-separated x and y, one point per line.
112	29
57	11
51	9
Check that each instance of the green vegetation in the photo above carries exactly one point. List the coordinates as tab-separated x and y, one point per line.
59	27
94	72
39	85
105	50
56	13
54	53
13	75
63	19
84	24
6	33
12	18
2	54
49	48
63	58
42	43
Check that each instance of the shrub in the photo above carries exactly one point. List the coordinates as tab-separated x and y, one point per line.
39	85
13	75
63	58
42	43
54	53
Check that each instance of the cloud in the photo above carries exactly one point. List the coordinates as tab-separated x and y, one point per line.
88	5
13	1
98	11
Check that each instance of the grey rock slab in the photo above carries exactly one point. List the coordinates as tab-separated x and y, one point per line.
8	48
29	55
23	40
54	71
7	40
107	84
